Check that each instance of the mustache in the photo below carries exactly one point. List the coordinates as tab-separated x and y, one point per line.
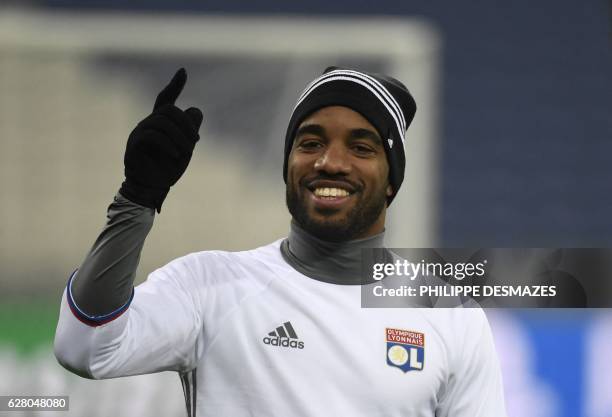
310	182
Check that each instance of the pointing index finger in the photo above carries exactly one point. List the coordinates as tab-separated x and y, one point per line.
171	92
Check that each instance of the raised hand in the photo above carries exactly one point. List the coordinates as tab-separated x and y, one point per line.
160	147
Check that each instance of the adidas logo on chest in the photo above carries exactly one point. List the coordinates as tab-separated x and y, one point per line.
284	336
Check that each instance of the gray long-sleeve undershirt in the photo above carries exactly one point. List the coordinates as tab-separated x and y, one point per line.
105	279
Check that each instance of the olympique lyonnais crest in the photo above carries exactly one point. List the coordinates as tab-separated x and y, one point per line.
405	349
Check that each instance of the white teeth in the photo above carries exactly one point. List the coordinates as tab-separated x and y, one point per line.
330	192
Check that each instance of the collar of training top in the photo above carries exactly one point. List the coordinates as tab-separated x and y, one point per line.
331	262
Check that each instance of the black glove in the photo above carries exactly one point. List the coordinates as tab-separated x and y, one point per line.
160	147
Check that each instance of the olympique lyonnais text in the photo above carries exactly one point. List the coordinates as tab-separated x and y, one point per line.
411	270
470	291
406	336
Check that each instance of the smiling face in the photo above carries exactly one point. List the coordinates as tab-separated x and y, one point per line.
338	176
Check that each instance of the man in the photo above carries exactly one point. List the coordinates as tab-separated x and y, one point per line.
279	330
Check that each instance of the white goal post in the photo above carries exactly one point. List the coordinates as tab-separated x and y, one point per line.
62	52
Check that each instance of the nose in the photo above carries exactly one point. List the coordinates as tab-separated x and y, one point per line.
335	160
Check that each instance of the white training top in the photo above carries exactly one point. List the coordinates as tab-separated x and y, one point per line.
251	336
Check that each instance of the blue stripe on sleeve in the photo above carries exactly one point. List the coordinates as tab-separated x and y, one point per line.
90	320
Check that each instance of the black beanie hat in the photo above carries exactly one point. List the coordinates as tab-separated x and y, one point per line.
384	101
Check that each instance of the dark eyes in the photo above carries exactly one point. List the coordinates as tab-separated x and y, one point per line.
315	144
310	144
363	149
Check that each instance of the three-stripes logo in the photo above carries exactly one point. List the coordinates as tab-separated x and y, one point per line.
284	336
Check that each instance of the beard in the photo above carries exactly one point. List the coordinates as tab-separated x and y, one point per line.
352	225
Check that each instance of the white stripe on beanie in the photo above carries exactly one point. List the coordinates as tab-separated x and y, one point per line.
376	84
371	84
